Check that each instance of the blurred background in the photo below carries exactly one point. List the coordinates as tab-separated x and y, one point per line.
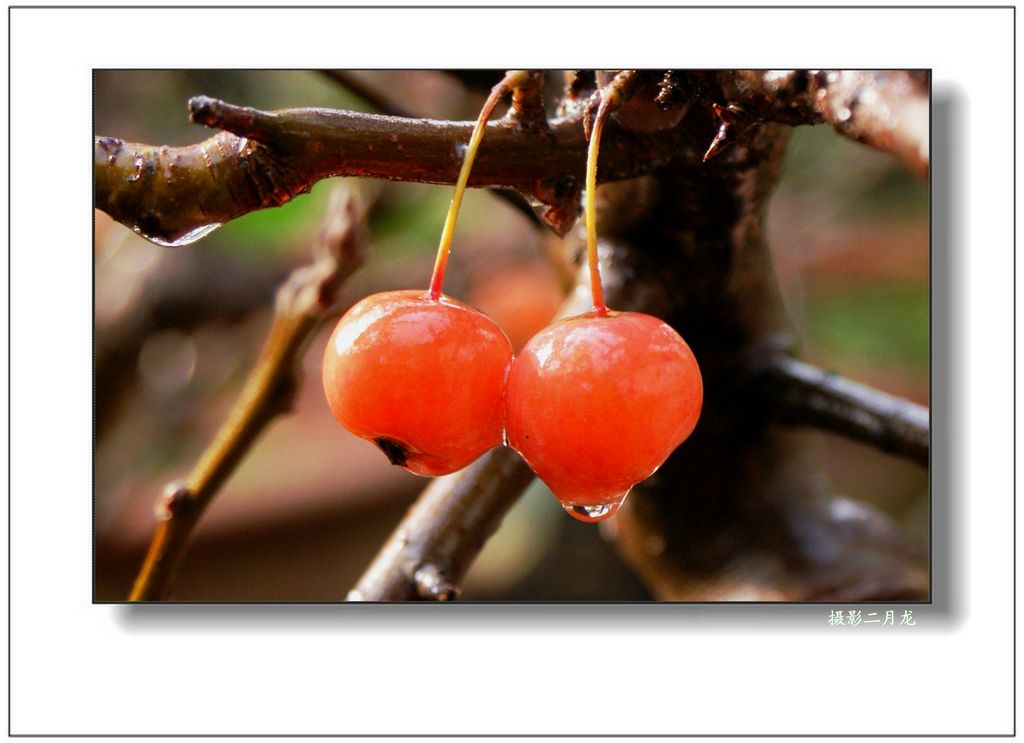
178	329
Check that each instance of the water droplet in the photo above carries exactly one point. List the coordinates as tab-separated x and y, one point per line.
592	513
140	167
187	238
173	498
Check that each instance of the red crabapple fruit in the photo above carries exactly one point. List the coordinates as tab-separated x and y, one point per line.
421	378
595	403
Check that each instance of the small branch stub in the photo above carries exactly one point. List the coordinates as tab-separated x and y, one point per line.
175	497
432	584
732	125
528	102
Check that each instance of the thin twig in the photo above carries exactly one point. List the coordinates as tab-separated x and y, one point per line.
428	554
799	393
305	299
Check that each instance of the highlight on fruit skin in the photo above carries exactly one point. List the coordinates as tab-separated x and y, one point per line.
421	378
595	404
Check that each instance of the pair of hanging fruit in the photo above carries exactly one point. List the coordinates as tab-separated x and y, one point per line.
594	403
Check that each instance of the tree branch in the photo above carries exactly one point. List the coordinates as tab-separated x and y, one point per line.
428	554
172	194
885	109
266	158
383	103
302	303
799	393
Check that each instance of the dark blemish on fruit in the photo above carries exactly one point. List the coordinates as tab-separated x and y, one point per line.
394	451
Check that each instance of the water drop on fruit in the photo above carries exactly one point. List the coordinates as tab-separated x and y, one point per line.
592	513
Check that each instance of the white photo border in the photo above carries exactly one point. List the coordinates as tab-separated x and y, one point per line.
76	668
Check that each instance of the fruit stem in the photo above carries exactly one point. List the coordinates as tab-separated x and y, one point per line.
611	97
513	79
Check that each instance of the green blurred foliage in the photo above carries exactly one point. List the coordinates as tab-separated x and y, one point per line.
863	185
883	323
843	191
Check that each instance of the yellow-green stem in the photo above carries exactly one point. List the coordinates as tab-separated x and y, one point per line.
610	97
511	80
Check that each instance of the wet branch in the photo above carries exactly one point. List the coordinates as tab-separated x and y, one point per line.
800	393
380	100
265	158
885	109
305	299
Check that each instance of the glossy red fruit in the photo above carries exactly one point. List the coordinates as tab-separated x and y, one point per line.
595	404
423	379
